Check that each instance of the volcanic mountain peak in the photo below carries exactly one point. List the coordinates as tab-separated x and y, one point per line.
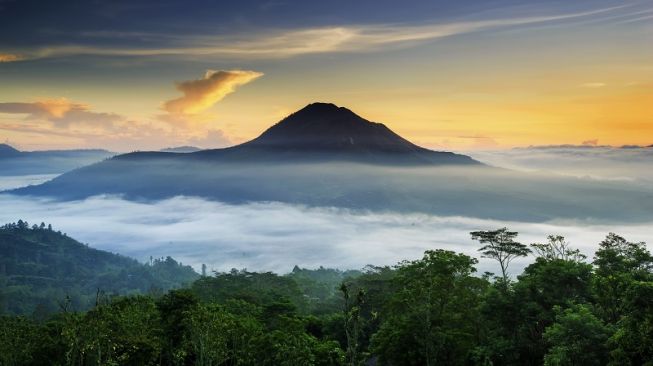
325	126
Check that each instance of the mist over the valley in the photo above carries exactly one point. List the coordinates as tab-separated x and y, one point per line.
274	216
628	163
276	236
17	181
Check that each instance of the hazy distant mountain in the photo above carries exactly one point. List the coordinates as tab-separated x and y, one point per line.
7	151
324	155
15	162
181	149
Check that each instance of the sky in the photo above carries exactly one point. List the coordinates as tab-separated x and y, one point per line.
463	75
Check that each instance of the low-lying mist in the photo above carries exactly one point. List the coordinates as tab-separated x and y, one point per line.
276	236
478	191
597	162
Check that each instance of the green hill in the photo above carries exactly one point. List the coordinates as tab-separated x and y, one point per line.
42	270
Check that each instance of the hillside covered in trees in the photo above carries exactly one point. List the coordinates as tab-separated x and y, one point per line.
563	309
40	268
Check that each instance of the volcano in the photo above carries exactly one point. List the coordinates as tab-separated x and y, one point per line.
320	155
324	132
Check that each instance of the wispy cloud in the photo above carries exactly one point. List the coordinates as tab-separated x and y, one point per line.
287	43
61	112
9	57
593	85
79	122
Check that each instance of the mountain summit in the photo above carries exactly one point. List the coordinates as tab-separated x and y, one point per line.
325	126
326	132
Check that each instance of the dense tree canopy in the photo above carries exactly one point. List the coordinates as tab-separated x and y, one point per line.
436	310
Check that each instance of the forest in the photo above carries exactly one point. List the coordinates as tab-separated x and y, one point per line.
563	309
41	267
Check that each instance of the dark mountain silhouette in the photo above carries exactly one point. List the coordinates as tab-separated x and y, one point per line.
326	132
7	151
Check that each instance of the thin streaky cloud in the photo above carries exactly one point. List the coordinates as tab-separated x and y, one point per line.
634	20
310	40
593	85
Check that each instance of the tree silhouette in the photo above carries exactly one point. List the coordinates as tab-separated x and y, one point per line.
500	246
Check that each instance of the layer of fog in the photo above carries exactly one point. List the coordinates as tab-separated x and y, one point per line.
17	181
475	191
598	162
276	236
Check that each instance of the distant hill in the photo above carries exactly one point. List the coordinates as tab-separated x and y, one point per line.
40	267
16	162
181	149
7	151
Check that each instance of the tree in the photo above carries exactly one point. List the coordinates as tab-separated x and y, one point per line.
577	338
542	286
557	248
352	322
433	317
500	246
17	340
632	343
618	264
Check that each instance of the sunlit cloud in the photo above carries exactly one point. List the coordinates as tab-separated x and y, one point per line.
9	57
79	124
201	94
61	112
287	43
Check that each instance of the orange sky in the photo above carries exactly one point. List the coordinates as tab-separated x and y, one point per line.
554	78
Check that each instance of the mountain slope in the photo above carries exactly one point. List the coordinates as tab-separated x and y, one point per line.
40	267
325	132
15	162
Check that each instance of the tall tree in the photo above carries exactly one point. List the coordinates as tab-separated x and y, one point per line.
501	246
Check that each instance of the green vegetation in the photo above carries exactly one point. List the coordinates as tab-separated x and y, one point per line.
561	310
41	268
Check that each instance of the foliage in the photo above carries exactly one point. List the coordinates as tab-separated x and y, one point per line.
40	268
500	245
432	311
577	338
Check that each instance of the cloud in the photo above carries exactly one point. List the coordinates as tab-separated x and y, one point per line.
61	112
201	94
275	236
593	142
287	43
212	139
9	57
78	124
593	85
